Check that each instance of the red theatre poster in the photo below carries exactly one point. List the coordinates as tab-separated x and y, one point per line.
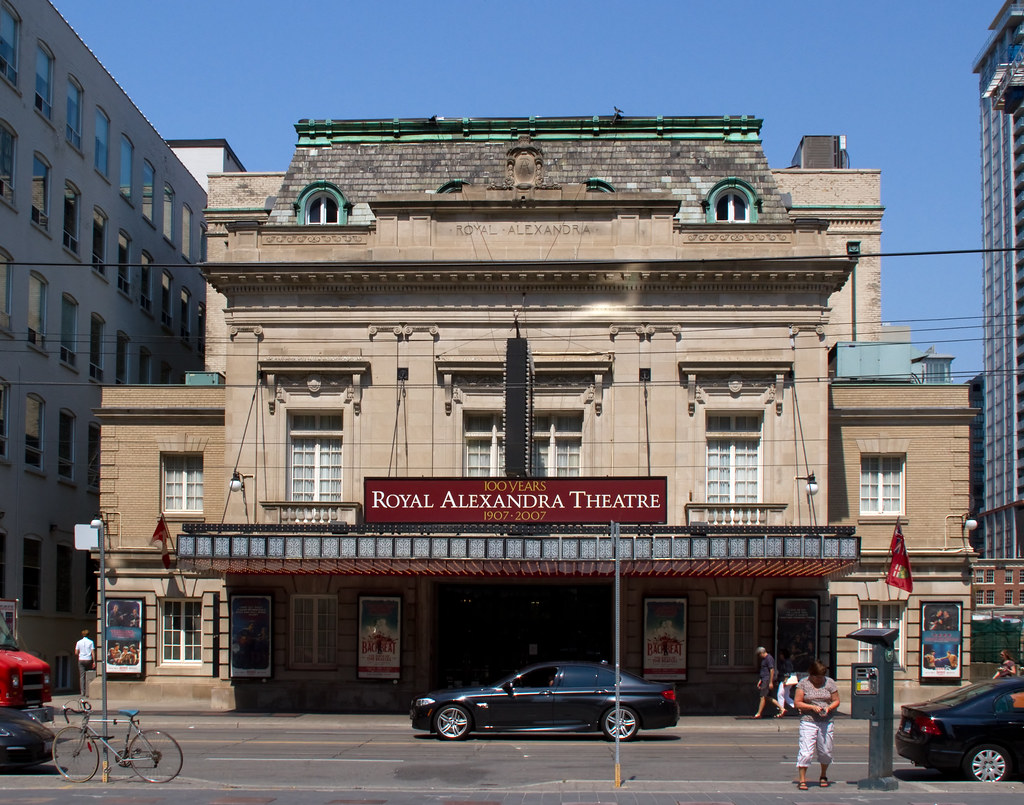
380	637
515	501
665	638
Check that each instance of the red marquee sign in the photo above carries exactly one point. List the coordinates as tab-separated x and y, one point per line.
515	500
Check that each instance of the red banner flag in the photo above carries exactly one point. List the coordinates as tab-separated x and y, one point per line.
899	565
162	534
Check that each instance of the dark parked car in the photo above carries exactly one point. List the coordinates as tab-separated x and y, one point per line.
550	697
23	740
978	728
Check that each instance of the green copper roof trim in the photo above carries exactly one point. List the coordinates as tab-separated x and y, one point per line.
722	129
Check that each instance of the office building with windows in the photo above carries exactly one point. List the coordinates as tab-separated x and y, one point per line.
424	316
101	228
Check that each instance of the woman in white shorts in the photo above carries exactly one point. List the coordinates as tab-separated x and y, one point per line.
816	700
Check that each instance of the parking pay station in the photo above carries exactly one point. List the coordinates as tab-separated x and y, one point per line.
872	698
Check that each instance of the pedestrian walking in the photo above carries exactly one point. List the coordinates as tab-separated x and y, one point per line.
765	680
1008	667
816	700
787	682
85	650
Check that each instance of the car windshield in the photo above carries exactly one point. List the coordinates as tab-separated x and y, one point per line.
961	695
6	638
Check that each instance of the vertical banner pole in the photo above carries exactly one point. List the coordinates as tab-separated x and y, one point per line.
614	527
101	665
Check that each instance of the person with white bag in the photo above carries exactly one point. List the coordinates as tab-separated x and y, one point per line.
787	683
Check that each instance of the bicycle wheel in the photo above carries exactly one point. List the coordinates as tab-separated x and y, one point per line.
155	756
75	754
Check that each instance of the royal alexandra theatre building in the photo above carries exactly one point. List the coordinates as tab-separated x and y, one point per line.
449	359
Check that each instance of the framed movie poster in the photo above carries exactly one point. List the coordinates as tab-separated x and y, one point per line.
250	636
122	636
665	638
380	637
796	631
941	639
9	614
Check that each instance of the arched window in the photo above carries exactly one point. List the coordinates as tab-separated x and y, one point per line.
321	204
595	185
732	201
454	186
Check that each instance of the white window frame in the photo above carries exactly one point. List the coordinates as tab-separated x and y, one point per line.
316	443
737	207
732	632
44	83
882	479
733	458
182	482
558	444
314	631
181	631
883	615
483	445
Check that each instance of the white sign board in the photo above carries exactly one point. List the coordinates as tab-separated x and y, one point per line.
87	537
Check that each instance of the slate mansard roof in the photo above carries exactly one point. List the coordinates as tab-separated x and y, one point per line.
681	158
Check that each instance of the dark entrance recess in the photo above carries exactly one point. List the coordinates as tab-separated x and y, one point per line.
487	631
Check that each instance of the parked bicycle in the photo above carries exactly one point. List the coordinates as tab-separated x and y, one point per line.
152	754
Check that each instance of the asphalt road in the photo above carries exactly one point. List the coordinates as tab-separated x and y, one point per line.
233	759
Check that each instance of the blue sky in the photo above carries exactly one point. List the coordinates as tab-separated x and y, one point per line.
895	76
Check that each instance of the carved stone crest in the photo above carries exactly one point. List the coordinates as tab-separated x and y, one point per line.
524	165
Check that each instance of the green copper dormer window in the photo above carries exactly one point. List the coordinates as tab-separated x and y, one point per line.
454	186
599	186
732	201
321	204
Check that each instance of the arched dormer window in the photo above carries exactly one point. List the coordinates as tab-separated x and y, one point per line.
454	186
321	204
599	186
732	201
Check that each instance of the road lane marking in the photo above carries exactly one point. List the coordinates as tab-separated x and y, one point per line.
309	759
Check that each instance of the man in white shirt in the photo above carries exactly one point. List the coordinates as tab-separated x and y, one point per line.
86	651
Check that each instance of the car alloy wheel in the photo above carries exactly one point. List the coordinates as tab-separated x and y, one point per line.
452	723
988	764
627	724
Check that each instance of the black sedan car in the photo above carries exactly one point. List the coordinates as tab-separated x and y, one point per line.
23	740
550	697
978	728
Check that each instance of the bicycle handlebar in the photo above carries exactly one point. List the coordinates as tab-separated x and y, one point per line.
67	709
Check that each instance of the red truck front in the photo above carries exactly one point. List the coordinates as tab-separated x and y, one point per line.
24	678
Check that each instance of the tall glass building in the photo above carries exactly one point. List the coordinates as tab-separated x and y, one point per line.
1000	67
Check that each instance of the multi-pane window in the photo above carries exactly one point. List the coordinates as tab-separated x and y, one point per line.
7	140
979	596
66	445
990	597
557	440
121	358
731	207
96	327
101	152
68	329
186	232
315	457
9	25
44	81
93	449
1008	576
1022	576
183	483
99	240
979	575
181	632
145	282
322	209
5	401
484	445
990	576
34	410
127	159
185	313
63	587
1008	597
40	192
72	203
124	269
36	310
31	574
73	129
733	459
168	216
148	182
881	484
314	629
731	632
165	299
881	616
6	278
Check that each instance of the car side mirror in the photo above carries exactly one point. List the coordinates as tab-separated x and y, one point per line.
507	687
